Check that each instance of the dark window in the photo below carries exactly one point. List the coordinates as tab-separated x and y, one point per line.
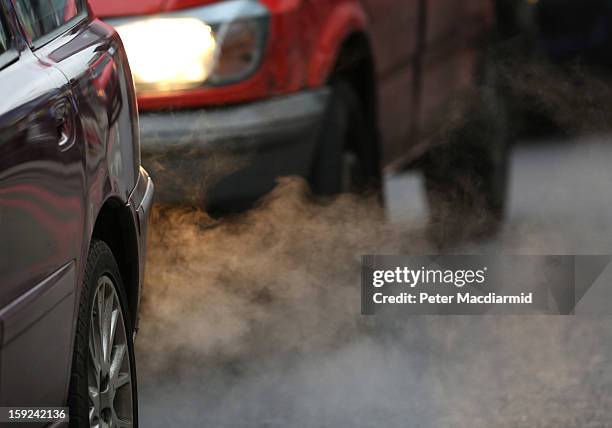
41	17
4	36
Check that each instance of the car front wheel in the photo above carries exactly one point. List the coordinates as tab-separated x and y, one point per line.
103	381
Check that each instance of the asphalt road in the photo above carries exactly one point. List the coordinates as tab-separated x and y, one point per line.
255	322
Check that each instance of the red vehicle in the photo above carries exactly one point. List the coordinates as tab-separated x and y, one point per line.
332	90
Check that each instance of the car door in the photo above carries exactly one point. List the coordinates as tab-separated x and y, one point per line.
41	212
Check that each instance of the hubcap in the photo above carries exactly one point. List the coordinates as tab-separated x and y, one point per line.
109	371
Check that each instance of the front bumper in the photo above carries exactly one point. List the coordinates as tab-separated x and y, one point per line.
219	156
141	202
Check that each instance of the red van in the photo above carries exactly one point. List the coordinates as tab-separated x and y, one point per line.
235	93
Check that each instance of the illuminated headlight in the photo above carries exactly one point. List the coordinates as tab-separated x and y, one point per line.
163	55
211	45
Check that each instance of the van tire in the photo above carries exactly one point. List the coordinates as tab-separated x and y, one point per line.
346	157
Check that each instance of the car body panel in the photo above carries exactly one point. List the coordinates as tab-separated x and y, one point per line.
110	8
89	58
41	222
35	363
395	67
40	185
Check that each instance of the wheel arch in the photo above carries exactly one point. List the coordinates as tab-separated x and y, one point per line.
355	64
115	226
341	21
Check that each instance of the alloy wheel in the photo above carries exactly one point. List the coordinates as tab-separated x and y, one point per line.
111	403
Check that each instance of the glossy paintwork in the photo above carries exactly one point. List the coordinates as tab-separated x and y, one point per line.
68	144
41	185
424	52
109	8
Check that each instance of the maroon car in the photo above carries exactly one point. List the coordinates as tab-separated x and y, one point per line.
74	203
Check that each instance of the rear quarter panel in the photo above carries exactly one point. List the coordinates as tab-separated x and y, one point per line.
93	60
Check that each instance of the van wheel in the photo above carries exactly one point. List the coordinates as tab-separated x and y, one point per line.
347	158
466	177
103	379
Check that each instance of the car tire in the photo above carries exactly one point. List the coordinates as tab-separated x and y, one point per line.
347	158
103	379
466	177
